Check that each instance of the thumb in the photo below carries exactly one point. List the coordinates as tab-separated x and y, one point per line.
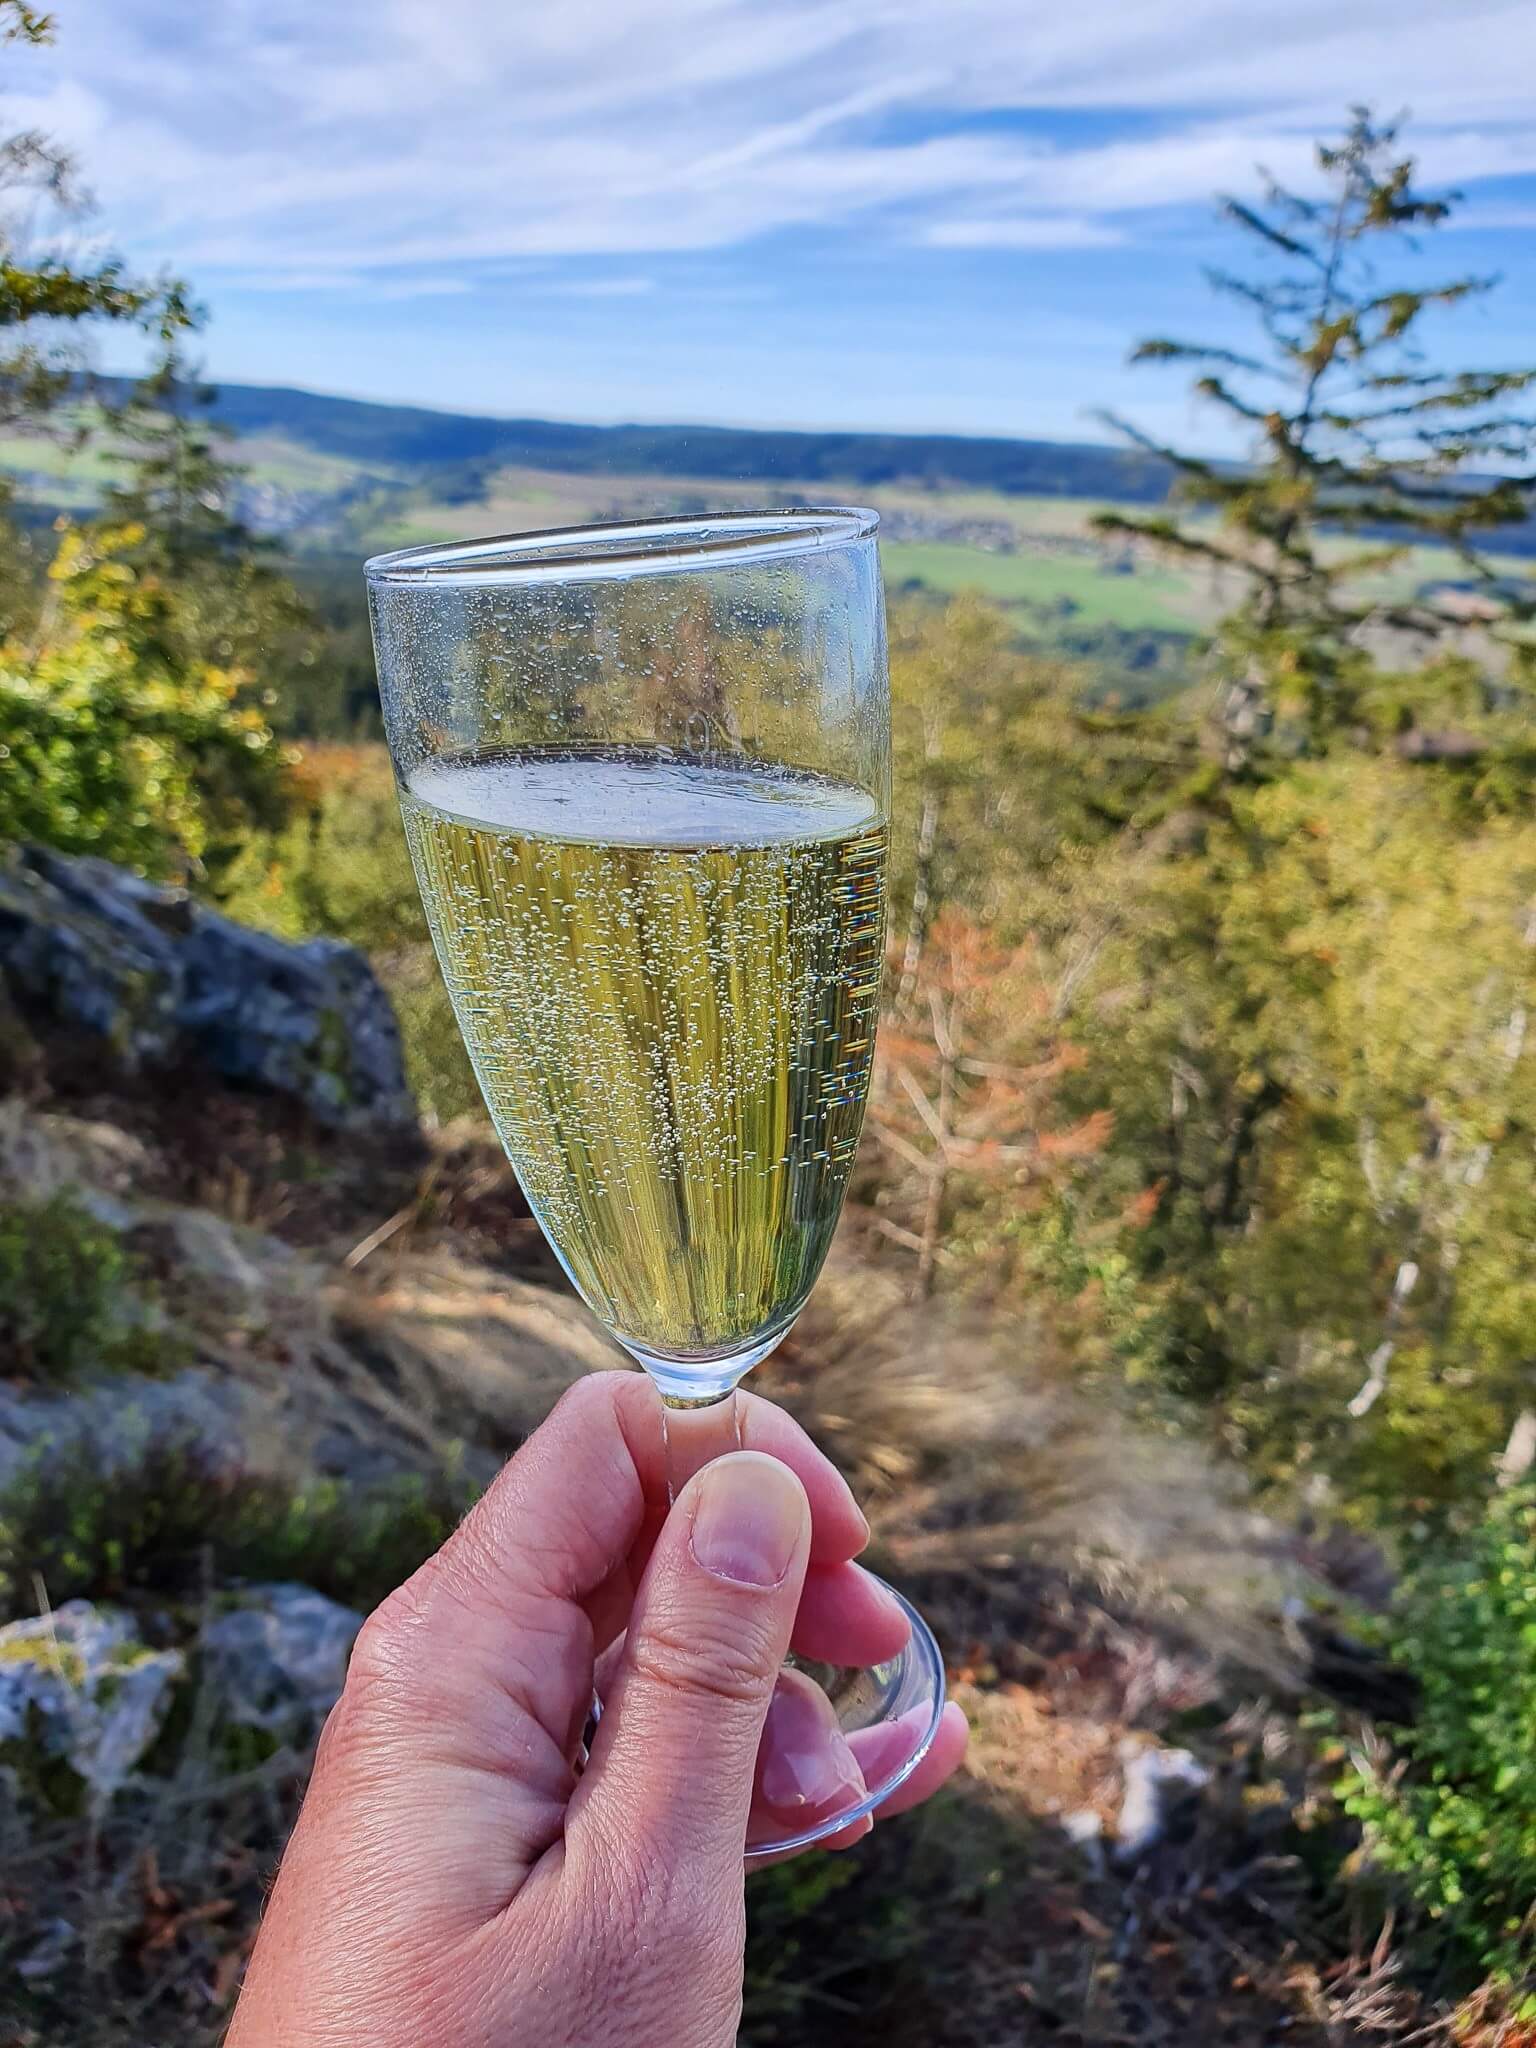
670	1779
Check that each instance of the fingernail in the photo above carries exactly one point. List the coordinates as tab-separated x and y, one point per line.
749	1518
805	1766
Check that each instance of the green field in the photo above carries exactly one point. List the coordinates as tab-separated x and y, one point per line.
1038	555
1030	518
290	466
54	474
1147	599
73	478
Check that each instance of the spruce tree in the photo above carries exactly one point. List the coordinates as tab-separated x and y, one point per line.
177	483
49	303
1353	431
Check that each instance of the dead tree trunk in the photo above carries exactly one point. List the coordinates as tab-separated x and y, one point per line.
1519	1454
922	874
933	1207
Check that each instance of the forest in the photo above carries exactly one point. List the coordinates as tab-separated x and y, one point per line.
1179	1331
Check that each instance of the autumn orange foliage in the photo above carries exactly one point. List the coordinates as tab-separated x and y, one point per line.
964	1113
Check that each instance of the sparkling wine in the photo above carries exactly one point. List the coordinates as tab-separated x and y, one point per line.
667	973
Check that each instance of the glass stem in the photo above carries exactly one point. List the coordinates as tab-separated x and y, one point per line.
696	1431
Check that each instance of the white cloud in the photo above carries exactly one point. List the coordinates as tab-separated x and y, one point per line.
277	140
1022	231
596	287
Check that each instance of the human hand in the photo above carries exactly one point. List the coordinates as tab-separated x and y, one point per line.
452	1882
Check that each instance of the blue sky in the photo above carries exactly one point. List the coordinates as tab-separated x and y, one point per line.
919	214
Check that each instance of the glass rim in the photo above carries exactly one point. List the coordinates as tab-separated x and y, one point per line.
627	547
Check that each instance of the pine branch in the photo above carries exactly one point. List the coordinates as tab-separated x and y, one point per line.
1164	533
1244	216
1221	393
1191	465
1165	351
23	24
1459	394
1274	298
1360	436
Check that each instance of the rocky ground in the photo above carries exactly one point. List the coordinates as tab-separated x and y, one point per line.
324	1330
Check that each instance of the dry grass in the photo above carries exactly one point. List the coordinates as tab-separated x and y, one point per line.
993	1484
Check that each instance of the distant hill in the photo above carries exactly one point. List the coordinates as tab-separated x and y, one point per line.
414	438
345	477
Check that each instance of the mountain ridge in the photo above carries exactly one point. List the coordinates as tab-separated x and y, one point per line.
425	439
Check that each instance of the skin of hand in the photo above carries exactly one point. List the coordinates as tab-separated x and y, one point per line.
453	1882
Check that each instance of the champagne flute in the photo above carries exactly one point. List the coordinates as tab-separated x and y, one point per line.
644	770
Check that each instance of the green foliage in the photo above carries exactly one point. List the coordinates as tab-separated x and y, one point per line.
48	299
172	1516
70	1303
1290	952
1002	776
112	745
20	23
176	489
789	1908
125	722
1309	1025
175	482
324	684
1449	1809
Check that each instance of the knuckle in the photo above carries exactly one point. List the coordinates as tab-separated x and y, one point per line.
594	1394
733	1665
388	1655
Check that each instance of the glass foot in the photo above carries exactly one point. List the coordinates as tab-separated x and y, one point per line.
888	1713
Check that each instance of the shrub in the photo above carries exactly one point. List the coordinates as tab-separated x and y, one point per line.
107	745
178	1516
1449	1805
68	1303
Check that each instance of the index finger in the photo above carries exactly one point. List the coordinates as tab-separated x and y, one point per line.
838	1530
512	1598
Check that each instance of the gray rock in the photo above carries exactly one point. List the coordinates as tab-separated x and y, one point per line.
159	977
1086	1830
1154	1781
80	1687
227	1261
113	1425
88	954
298	1370
278	1661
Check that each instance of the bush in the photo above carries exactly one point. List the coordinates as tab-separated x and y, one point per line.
1449	1805
107	745
178	1517
67	1299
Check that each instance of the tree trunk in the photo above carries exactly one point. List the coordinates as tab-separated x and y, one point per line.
922	894
933	1207
1519	1454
